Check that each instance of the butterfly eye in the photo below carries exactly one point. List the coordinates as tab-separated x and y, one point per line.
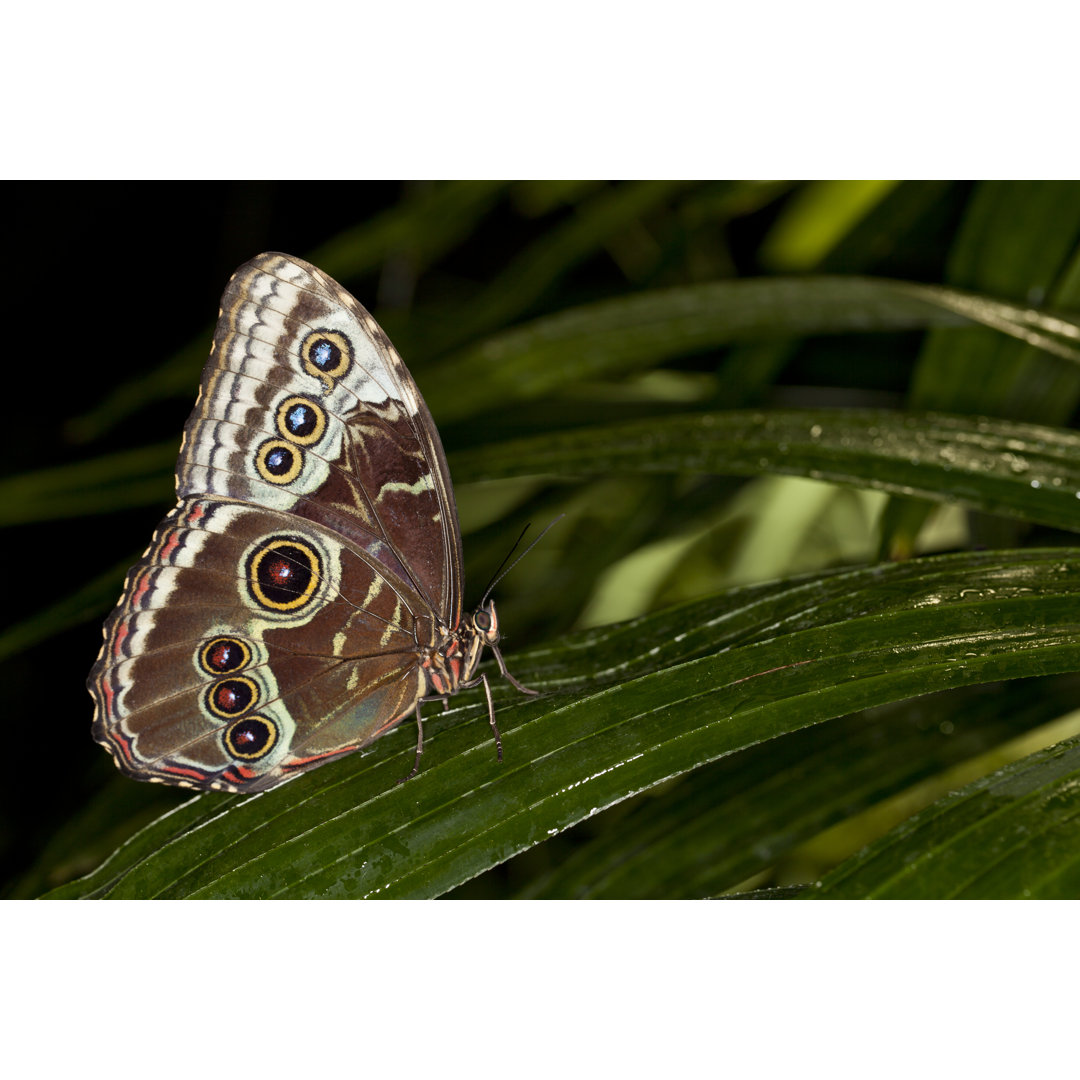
251	738
301	420
482	620
326	354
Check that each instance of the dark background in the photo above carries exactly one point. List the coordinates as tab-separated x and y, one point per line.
107	280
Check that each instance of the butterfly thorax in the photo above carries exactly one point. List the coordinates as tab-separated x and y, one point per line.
453	662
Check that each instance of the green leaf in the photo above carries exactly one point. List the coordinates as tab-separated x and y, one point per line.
140	477
618	336
597	220
1019	470
1012	835
80	605
735	818
818	217
624	709
1023	470
1019	241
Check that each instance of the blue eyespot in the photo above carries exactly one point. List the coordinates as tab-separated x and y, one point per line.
301	420
325	355
278	460
326	352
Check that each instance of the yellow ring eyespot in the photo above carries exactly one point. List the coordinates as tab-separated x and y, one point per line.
221	655
283	573
279	462
301	421
326	354
231	697
251	738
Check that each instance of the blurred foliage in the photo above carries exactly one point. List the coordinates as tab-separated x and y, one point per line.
807	628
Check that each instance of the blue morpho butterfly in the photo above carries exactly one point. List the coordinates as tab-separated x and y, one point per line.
305	595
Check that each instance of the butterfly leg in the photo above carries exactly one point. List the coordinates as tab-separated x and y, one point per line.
491	718
510	678
419	746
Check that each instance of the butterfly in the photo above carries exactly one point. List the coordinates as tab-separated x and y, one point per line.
305	594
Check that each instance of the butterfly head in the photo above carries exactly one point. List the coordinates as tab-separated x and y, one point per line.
485	624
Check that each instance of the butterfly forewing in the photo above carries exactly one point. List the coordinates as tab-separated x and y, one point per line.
288	607
306	407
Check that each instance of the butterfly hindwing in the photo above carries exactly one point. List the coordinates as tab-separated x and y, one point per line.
248	642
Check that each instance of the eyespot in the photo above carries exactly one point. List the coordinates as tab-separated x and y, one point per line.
223	654
231	697
301	421
278	462
251	738
326	354
282	573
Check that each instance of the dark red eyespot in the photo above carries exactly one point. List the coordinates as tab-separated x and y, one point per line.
224	654
251	738
231	697
282	573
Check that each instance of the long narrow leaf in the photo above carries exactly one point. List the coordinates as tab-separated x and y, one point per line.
1012	835
349	830
627	334
1021	470
734	818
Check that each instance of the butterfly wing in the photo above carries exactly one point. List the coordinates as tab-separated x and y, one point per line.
282	611
306	407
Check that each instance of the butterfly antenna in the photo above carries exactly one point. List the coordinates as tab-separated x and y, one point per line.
501	572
